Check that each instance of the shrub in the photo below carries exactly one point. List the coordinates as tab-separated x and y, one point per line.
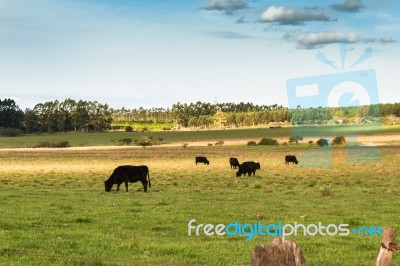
10	132
145	129
295	139
322	142
251	143
48	144
219	143
145	141
128	129
115	127
125	141
184	145
268	141
310	142
45	144
339	140
64	144
209	144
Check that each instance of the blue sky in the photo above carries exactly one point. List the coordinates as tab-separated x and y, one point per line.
156	53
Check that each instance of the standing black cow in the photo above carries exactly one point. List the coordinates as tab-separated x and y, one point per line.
234	163
249	168
291	159
202	159
128	173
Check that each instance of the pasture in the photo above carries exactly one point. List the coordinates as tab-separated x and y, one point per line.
80	139
55	210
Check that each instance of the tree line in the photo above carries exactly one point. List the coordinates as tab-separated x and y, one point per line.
344	115
88	116
56	116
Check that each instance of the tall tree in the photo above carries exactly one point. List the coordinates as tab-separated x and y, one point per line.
10	114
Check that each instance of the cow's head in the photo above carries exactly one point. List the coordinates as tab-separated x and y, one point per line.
296	162
108	185
238	174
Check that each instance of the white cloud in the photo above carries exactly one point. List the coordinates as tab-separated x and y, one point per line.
292	16
348	6
387	39
319	39
227	6
230	35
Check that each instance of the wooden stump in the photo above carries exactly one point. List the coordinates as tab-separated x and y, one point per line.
388	246
281	253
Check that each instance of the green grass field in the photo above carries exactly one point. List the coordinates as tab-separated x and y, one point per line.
78	139
55	211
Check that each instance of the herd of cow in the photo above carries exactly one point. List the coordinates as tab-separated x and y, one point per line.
131	174
245	167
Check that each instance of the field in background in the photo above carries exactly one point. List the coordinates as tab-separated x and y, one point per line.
54	204
79	139
139	126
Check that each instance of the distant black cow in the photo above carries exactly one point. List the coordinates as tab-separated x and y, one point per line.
291	159
234	163
202	159
128	173
249	168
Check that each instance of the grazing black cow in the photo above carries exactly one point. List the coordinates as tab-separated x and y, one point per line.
291	159
128	173
249	168
234	163
202	159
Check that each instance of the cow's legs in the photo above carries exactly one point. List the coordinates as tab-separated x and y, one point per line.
118	186
144	186
126	186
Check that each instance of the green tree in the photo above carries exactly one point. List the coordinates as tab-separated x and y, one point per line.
295	139
268	141
220	119
10	114
322	142
80	116
338	140
145	141
31	121
193	122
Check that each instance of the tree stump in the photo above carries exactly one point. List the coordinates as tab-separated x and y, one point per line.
281	253
388	246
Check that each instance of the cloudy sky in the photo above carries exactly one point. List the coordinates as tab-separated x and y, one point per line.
152	53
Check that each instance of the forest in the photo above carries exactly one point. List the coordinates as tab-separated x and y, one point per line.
92	116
